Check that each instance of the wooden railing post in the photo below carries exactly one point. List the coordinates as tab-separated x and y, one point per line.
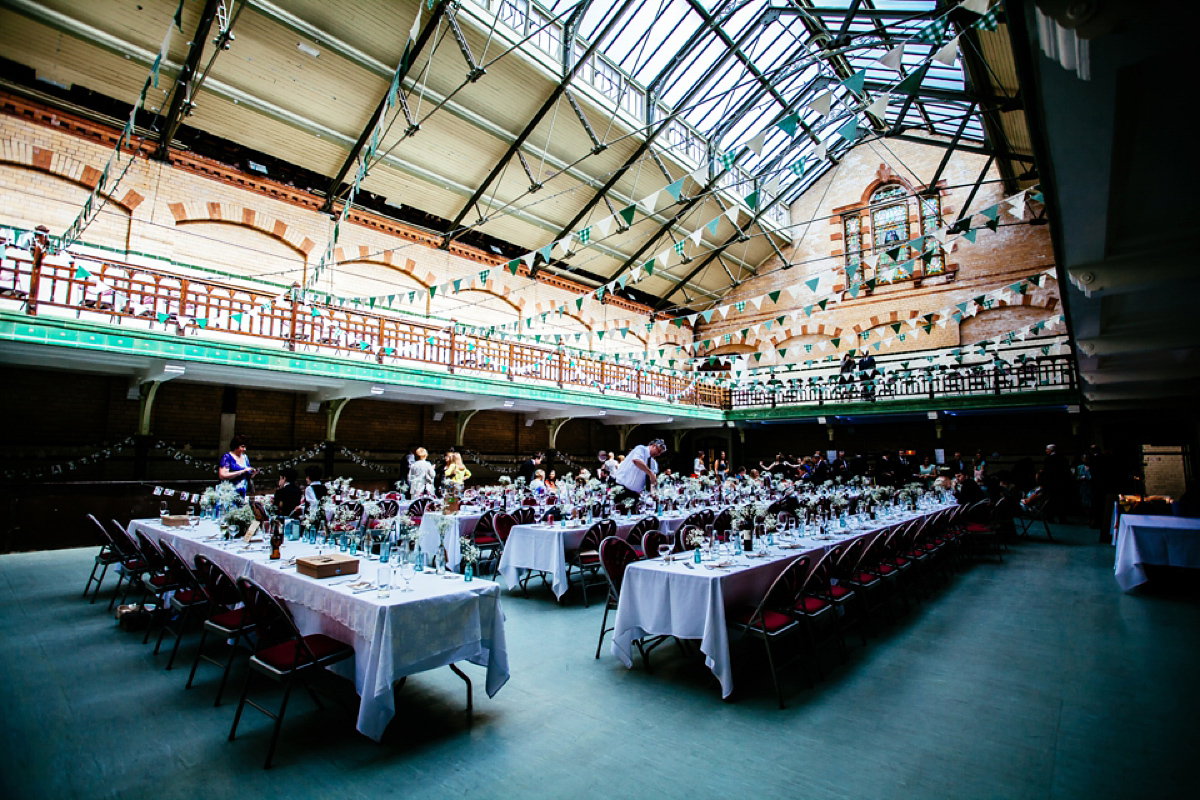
560	368
453	346
291	343
41	242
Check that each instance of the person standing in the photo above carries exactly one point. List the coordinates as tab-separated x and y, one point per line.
529	466
420	475
456	470
698	468
722	466
602	472
314	489
639	471
235	466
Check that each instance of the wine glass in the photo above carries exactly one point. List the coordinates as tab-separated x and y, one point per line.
664	550
407	571
193	520
163	509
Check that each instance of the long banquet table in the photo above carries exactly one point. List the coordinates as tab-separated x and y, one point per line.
442	621
687	601
1164	541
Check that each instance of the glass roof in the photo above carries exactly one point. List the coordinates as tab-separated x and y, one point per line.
731	68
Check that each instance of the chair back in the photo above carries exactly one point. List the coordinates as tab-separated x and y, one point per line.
651	540
416	509
151	554
104	537
486	524
503	525
615	556
681	537
272	621
847	562
696	518
592	538
722	522
525	515
818	581
180	570
608	527
125	544
389	507
220	587
784	592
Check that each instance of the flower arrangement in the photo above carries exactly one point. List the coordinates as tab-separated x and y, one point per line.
221	494
346	517
470	553
504	480
695	538
238	517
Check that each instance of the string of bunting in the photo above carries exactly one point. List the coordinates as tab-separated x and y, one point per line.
103	454
362	461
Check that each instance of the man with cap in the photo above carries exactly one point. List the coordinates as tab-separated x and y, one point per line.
639	471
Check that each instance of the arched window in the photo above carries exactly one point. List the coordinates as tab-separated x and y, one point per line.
882	225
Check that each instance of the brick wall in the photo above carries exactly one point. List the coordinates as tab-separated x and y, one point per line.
995	260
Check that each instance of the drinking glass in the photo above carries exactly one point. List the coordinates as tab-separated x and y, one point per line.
163	509
383	579
193	520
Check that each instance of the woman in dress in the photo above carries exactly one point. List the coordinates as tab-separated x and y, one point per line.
698	468
722	466
235	465
420	475
552	481
456	470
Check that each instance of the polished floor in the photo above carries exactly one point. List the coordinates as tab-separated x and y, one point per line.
1034	678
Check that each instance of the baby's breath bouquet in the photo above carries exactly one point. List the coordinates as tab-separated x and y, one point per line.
221	494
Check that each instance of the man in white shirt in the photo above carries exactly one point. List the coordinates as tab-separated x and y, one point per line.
639	471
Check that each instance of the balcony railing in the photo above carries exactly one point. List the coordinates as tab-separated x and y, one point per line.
188	305
1040	374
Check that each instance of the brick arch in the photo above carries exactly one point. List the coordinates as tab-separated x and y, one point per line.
233	214
966	328
900	315
342	257
488	290
20	154
883	176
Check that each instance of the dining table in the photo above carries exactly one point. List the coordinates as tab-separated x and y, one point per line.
680	598
443	619
1156	540
543	547
438	530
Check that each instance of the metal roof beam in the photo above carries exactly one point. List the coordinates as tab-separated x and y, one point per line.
182	100
549	104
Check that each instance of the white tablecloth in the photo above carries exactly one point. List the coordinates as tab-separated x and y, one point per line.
543	548
432	537
1166	541
443	620
671	599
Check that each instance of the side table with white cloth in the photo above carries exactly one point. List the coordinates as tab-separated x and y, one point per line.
688	601
542	547
1163	541
442	621
432	536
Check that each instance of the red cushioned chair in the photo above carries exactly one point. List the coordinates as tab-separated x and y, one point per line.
585	560
228	620
822	592
772	620
132	568
161	579
651	540
108	555
185	602
283	655
638	531
615	556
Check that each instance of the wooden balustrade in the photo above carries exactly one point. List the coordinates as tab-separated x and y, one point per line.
190	305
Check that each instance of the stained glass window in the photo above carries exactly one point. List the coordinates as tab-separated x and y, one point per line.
852	226
931	220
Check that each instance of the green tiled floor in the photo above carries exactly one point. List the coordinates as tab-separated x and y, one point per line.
1032	678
